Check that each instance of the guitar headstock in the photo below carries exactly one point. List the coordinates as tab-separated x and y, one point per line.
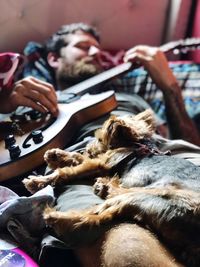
181	46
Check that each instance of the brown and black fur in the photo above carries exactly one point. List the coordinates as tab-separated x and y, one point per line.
159	193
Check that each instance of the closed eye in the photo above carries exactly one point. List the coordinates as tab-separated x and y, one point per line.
85	46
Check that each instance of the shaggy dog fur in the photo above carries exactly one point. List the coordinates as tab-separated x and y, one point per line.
159	192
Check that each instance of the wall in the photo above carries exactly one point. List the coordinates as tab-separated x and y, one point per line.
122	23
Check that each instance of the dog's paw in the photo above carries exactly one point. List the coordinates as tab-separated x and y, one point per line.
55	158
58	158
106	187
50	217
100	209
34	183
101	187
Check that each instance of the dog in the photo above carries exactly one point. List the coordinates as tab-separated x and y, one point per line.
157	192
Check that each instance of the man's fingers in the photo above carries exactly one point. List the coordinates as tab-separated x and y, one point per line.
38	92
23	101
137	58
46	84
38	97
41	87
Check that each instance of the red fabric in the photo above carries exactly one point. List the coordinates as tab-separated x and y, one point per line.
9	63
110	60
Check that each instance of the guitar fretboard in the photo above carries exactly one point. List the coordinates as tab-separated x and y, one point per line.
83	87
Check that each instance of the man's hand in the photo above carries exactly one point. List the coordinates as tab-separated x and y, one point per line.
155	63
34	93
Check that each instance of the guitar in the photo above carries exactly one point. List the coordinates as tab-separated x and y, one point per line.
76	107
59	133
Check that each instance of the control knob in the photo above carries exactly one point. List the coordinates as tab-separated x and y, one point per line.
14	151
9	140
37	136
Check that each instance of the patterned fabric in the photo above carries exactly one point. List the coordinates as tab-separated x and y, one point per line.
188	75
9	66
36	64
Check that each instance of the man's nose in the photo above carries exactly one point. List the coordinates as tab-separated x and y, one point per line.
93	50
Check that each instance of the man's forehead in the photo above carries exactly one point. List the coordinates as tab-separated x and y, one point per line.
79	36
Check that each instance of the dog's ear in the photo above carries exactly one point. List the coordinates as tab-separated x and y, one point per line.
148	117
106	130
124	131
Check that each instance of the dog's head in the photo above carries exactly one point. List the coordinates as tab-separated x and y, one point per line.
124	131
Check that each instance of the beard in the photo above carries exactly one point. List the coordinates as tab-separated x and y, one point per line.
69	75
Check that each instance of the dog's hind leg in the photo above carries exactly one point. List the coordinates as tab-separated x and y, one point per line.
126	245
173	214
129	245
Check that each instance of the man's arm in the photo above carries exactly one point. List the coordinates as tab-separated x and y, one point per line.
155	62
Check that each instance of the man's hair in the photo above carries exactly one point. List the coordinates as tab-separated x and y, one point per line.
57	41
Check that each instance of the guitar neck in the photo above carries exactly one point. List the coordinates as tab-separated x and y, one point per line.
84	87
183	45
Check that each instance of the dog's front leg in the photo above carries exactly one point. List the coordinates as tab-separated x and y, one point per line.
89	168
58	158
35	183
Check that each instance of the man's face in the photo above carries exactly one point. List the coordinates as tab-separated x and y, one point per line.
79	59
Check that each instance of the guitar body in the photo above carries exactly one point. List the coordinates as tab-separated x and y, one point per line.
58	135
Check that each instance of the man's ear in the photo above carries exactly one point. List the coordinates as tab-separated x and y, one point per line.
52	59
